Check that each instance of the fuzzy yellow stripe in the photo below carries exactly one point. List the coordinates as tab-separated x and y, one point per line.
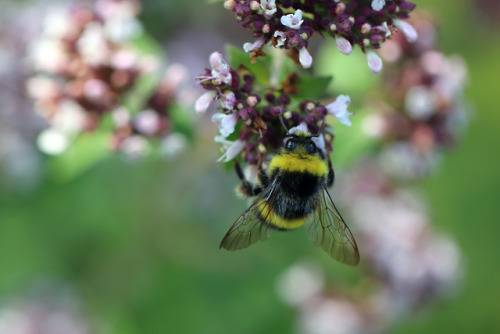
298	163
272	218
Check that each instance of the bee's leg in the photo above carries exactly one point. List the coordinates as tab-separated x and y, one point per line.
262	177
331	173
245	188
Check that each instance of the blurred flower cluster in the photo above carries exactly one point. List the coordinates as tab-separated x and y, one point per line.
92	72
258	116
19	160
409	264
422	110
291	24
46	310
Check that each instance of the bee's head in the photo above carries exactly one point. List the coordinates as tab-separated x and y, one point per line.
300	143
299	140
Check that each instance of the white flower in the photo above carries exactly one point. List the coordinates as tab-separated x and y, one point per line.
117	10
300	283
280	38
69	118
343	45
120	31
135	147
231	148
378	4
220	69
53	141
173	144
48	54
305	58
120	19
58	23
421	102
385	28
228	100
93	45
248	47
302	127
147	122
226	123
374	61
216	60
120	116
293	21
203	102
269	7
407	29
319	142
338	108
43	87
124	59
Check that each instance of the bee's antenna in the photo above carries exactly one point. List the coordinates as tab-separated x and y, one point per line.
283	123
321	128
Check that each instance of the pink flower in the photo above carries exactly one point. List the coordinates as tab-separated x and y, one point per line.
305	58
269	7
407	29
226	123
280	38
203	102
374	61
343	45
220	69
338	108
249	47
228	100
232	148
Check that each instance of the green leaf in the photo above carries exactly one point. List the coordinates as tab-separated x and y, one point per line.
260	68
182	120
146	45
312	87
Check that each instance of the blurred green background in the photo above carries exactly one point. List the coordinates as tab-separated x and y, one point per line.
140	241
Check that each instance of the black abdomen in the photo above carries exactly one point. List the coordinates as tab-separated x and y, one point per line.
297	196
301	185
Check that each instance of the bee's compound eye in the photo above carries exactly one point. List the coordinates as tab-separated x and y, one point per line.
291	144
310	147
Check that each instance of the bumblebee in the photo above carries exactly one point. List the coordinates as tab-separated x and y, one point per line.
292	192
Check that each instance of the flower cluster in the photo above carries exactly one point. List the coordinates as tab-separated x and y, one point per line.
258	117
413	264
47	310
291	24
409	263
424	112
87	68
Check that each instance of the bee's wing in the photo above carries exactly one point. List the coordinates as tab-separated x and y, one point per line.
250	227
329	231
